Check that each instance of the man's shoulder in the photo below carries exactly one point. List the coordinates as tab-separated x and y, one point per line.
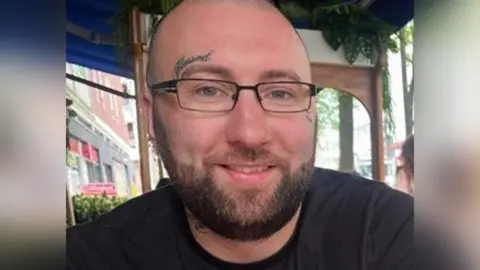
352	194
342	186
369	216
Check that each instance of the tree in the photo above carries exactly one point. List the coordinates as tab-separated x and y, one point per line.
405	39
346	134
335	112
327	110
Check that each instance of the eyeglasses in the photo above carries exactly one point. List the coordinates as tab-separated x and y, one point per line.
221	96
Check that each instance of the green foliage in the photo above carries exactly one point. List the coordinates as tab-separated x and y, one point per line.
295	10
406	34
88	208
327	109
389	127
409	32
346	25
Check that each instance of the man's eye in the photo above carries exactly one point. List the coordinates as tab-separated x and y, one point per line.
208	91
280	94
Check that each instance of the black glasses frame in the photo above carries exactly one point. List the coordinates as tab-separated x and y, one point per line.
171	87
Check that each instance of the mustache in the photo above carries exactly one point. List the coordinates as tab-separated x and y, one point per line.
245	155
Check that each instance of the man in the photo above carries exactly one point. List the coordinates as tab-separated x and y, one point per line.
405	170
233	113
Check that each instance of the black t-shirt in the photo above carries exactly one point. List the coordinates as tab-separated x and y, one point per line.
347	223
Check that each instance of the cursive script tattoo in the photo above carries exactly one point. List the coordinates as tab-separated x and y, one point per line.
195	224
185	61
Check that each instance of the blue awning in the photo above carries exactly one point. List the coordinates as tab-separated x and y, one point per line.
95	16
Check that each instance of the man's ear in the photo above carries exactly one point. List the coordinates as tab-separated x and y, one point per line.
148	114
411	186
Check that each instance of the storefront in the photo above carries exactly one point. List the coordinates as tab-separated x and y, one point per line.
92	159
83	164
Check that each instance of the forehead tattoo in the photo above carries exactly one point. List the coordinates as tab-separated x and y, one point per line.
185	61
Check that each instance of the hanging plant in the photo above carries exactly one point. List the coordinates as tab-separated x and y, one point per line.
354	29
388	105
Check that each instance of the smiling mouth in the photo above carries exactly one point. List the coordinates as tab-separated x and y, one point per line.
248	174
248	169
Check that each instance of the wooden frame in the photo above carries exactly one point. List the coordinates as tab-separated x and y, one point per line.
365	84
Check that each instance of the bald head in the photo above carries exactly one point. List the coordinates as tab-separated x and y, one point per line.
211	24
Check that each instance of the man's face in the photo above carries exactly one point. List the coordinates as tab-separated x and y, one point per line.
404	179
243	173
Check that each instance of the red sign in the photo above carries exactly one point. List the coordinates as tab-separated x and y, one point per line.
89	152
86	150
99	189
93	153
73	145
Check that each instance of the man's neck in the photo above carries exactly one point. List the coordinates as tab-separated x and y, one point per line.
242	252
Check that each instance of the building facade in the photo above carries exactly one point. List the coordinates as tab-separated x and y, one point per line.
156	168
99	144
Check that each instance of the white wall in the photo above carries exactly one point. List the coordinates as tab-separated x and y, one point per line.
320	52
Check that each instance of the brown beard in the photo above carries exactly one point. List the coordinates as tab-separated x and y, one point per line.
243	217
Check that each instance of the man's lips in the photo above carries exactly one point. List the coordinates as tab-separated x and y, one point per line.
247	169
248	174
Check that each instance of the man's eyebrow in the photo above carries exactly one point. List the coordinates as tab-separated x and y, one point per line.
225	74
275	74
219	71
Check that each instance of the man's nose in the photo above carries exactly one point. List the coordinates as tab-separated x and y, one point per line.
248	125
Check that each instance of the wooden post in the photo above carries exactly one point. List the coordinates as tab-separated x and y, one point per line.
70	210
139	76
376	128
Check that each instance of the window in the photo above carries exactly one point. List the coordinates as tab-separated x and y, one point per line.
90	172
126	173
98	173
110	97
125	90
115	104
108	173
102	94
94	172
131	134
